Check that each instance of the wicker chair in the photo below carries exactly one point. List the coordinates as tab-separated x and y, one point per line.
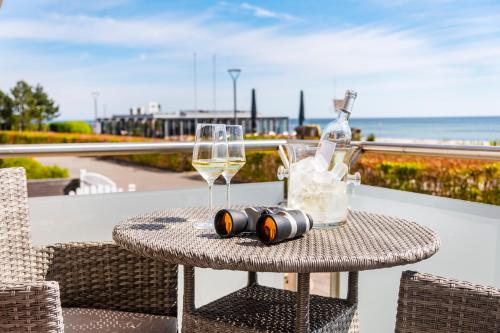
431	304
102	287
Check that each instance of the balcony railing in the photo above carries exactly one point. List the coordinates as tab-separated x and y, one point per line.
470	232
126	148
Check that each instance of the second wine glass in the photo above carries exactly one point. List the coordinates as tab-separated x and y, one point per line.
210	160
236	156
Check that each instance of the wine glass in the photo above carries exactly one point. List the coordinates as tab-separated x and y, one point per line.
236	156
210	159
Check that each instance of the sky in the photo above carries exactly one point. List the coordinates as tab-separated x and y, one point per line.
405	58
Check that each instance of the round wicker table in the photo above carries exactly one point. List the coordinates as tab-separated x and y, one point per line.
366	241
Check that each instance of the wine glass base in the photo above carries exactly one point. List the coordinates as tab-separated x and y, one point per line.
204	225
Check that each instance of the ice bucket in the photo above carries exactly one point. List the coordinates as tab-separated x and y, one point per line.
321	191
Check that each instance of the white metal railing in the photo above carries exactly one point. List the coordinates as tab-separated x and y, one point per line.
128	148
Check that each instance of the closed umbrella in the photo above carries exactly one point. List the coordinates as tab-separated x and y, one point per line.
301	109
254	113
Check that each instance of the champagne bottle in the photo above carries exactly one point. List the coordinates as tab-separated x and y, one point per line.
336	138
339	131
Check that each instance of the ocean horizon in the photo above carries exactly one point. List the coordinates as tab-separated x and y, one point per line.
468	128
485	128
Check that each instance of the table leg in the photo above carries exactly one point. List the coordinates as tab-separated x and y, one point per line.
252	278
302	321
189	305
352	288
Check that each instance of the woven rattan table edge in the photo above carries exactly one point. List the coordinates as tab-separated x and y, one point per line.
318	266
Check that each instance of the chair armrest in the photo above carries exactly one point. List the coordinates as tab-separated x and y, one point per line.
103	275
429	303
30	307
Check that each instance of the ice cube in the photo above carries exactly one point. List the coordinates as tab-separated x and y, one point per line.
305	165
339	156
339	171
301	176
323	177
339	188
305	168
324	154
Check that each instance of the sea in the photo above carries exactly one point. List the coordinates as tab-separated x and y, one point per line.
438	128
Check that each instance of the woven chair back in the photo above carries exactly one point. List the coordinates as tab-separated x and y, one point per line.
15	241
432	304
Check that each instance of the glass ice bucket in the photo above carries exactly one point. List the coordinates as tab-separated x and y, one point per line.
321	191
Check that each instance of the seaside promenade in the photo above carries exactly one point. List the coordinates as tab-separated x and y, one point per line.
144	178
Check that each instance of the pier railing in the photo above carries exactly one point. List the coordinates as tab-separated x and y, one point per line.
128	148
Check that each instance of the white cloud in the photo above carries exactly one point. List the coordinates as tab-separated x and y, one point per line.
364	50
395	70
266	13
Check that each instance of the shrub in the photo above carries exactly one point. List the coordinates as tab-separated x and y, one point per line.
472	180
172	162
35	169
15	137
370	137
259	167
71	127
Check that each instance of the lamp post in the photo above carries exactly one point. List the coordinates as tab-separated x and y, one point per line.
234	73
95	94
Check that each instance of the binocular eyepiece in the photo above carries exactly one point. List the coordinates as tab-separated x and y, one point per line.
271	224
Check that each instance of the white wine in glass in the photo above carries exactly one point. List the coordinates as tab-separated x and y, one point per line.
210	160
233	166
210	170
236	156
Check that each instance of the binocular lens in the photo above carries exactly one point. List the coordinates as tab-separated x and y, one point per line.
269	228
274	227
229	222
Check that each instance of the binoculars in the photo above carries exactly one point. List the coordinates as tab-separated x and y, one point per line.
270	224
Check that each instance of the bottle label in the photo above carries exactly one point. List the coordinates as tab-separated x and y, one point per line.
324	154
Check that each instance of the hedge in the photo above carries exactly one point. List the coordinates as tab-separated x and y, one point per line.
259	167
17	137
35	169
173	162
71	127
474	180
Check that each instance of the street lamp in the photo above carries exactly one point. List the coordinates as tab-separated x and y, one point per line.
234	73
95	94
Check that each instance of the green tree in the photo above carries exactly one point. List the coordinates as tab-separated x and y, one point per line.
6	111
44	108
32	106
23	104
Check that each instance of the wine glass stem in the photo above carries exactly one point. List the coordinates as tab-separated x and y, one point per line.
210	186
228	194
